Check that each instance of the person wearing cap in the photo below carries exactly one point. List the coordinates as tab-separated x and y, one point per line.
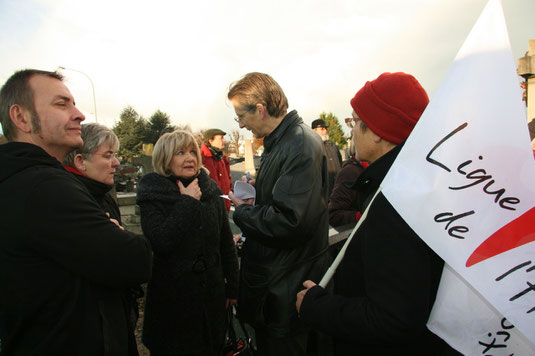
386	284
334	158
215	161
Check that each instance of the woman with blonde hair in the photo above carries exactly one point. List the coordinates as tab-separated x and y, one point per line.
195	271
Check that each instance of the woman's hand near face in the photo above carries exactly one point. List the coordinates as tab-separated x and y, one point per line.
192	189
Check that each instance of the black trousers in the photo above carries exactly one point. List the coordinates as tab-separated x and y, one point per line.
288	346
156	353
310	343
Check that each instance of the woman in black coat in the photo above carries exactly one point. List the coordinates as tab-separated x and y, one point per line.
94	165
195	271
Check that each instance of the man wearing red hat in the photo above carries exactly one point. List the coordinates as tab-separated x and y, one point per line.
386	285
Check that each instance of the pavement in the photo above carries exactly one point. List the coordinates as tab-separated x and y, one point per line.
237	170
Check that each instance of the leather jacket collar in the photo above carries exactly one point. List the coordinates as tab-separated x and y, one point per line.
291	119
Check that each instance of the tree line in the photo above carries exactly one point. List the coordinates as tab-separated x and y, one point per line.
133	130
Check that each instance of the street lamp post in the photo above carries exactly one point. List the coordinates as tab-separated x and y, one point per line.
92	87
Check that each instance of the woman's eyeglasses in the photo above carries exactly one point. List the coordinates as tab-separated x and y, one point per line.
108	155
350	122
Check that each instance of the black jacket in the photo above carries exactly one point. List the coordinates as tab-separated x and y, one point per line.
193	255
100	192
343	202
63	264
334	163
286	230
384	288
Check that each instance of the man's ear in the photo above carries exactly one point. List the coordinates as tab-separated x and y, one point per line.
79	162
21	118
261	110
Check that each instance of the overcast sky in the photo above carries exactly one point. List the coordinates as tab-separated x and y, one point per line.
181	56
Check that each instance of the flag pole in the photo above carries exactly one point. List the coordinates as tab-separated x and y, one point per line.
330	272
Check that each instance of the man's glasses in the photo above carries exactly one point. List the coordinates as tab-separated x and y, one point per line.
239	118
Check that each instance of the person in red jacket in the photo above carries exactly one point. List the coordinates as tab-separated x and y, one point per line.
215	161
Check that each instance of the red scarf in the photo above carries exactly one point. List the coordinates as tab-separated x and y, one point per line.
74	170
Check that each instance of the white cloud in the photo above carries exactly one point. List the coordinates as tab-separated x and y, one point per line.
181	56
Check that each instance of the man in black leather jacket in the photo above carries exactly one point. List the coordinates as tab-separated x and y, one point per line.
287	228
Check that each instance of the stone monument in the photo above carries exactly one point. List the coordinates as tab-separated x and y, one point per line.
249	159
526	69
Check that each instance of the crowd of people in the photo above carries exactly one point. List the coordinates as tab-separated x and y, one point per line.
71	274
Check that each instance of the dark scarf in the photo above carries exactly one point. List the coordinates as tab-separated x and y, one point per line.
216	153
185	181
97	189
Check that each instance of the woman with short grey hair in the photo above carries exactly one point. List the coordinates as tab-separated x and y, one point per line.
98	140
94	165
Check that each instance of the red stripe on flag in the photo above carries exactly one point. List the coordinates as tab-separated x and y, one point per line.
517	233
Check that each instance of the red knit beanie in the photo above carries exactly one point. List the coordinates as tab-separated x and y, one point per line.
391	105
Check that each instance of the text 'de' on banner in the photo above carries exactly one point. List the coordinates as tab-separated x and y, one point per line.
464	183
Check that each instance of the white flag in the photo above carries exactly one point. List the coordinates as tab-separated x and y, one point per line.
467	322
464	182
